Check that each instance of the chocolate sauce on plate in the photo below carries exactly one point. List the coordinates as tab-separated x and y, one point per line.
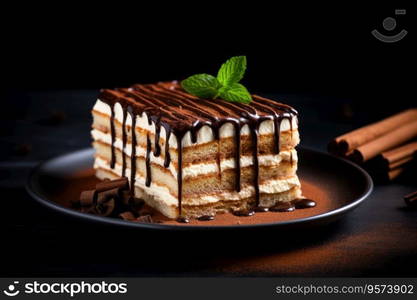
282	207
206	218
303	203
244	213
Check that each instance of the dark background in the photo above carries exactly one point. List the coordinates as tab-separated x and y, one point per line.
325	49
322	60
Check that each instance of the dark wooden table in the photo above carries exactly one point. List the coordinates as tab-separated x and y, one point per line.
377	239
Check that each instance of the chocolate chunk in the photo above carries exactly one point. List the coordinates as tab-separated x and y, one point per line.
282	207
261	209
244	213
127	215
122	183
183	220
144	219
206	218
303	203
107	195
88	198
105	209
125	197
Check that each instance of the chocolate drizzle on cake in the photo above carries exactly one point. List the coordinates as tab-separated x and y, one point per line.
148	161
133	155
113	138
124	140
179	173
167	105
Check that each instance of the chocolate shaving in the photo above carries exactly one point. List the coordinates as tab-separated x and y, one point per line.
127	215
144	219
88	198
122	183
107	195
106	208
125	197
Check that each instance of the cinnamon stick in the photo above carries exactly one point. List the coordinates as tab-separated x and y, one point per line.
400	162
411	195
354	139
392	139
395	173
399	153
411	199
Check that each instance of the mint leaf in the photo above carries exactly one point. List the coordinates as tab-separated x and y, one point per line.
236	93
232	70
202	85
225	85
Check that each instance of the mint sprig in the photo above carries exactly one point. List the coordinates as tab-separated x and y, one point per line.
232	71
225	86
202	85
236	92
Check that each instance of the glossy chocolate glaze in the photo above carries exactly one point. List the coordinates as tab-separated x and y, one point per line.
282	207
124	140
113	138
303	203
206	218
244	213
133	155
261	209
167	105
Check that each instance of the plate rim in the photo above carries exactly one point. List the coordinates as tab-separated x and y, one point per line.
157	226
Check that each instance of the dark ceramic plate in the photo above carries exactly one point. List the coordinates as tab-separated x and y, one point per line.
337	185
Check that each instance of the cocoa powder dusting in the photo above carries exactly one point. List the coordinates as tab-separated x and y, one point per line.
345	251
72	187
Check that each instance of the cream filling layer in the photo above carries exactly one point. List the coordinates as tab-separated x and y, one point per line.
201	168
162	193
204	135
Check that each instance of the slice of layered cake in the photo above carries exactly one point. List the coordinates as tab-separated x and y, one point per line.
191	157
